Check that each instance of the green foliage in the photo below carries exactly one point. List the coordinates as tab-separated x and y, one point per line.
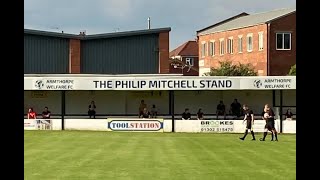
292	71
228	69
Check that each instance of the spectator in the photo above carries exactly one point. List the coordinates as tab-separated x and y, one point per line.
186	114
32	114
145	113
141	108
154	111
288	114
236	108
46	114
92	110
221	110
200	114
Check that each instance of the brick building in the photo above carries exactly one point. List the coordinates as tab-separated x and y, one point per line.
185	59
131	52
266	40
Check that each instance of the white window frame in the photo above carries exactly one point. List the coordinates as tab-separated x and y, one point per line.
248	36
203	49
221	47
212	49
283	33
230	46
260	41
190	61
240	44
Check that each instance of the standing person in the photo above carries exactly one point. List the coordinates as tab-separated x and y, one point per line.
221	110
92	110
141	107
31	114
200	114
236	108
249	118
269	117
186	114
145	113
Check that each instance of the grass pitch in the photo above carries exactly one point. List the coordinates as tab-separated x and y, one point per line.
78	155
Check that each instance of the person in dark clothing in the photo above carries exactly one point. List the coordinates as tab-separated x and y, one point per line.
288	114
236	108
200	114
92	110
186	114
46	114
249	118
270	124
145	113
221	110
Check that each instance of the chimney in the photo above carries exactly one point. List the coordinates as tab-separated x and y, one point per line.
82	33
148	22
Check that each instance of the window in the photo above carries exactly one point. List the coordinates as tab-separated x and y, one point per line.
221	46
249	42
260	41
230	46
240	44
283	41
203	49
211	48
189	61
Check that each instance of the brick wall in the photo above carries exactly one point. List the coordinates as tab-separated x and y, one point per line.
258	59
74	56
164	53
280	61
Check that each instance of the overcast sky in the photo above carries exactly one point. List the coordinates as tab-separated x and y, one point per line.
184	17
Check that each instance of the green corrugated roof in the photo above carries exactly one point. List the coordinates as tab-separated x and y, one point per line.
96	36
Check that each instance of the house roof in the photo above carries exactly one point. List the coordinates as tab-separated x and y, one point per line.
97	36
189	48
224	21
248	20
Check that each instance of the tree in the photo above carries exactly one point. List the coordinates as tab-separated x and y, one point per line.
228	69
292	71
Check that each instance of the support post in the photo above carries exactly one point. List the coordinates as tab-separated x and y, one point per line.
281	107
273	98
171	105
63	108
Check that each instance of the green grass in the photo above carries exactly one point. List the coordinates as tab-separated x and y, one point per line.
151	156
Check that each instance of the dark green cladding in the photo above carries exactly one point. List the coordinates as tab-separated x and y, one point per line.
45	54
137	54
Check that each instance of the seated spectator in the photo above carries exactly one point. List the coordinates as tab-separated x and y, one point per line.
46	114
32	114
200	114
289	114
145	113
92	110
186	114
141	107
154	111
221	110
236	108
